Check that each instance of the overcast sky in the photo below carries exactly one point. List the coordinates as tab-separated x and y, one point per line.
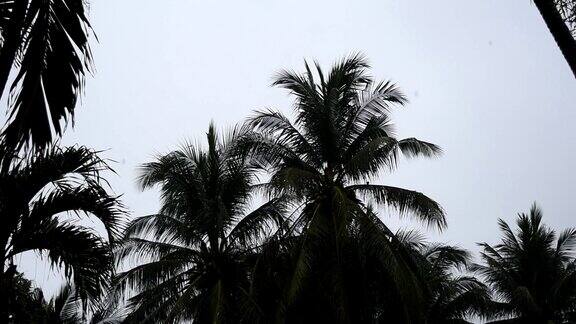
485	81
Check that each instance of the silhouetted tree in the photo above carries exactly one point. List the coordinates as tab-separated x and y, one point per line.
195	249
532	271
341	138
34	194
450	297
44	45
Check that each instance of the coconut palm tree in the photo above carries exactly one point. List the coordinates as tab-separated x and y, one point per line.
340	140
195	249
450	297
36	193
44	47
532	271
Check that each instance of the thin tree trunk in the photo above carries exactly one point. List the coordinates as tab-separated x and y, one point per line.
559	31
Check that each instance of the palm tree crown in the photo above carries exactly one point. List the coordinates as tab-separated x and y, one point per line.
533	271
341	138
34	194
196	245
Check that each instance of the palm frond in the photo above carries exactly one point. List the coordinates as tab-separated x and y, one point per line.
140	248
163	228
84	256
412	147
566	244
276	125
258	223
55	56
65	305
59	165
405	201
92	200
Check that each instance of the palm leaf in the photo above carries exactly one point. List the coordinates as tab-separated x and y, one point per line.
405	201
83	255
55	56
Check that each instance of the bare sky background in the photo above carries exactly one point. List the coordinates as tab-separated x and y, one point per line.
484	78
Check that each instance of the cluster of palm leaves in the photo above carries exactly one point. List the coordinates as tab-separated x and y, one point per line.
46	202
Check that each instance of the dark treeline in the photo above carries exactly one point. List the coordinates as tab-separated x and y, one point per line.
276	221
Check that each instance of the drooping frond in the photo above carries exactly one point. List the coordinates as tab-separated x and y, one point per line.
58	164
53	58
38	190
164	228
258	223
405	201
83	255
91	200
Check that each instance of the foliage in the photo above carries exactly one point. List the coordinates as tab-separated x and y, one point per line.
66	308
193	253
304	245
532	271
451	295
25	303
36	195
44	51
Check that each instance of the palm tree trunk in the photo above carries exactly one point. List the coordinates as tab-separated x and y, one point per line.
559	31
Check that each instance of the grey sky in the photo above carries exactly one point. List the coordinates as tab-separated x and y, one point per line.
485	80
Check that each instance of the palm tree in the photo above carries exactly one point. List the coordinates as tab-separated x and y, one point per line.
35	195
532	271
195	249
44	46
341	139
450	297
